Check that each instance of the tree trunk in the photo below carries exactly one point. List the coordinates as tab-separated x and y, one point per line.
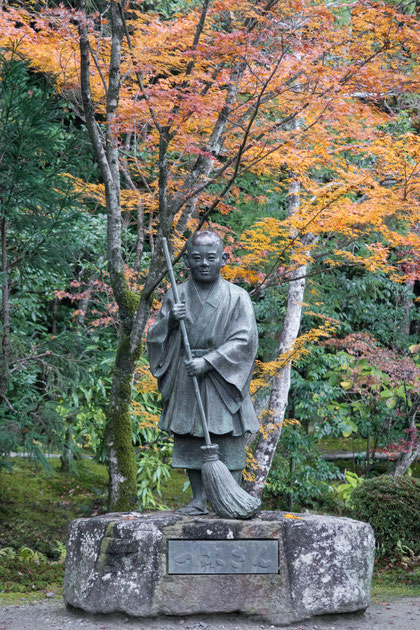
266	446
66	457
54	316
118	431
404	460
118	435
133	310
415	321
5	312
84	302
406	303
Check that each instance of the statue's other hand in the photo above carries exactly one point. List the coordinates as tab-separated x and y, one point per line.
196	367
178	312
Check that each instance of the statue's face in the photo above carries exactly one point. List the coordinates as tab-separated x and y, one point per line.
205	260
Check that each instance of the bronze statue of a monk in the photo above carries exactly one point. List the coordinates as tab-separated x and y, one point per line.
223	336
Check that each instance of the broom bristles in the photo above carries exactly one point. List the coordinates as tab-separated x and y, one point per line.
226	497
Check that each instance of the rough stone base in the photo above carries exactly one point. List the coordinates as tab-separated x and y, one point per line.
118	562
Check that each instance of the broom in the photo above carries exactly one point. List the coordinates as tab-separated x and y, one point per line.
226	497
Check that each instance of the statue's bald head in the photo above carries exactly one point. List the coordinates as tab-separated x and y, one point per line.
205	256
205	237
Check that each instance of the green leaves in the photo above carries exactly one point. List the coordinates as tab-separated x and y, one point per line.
48	238
344	490
348	428
152	469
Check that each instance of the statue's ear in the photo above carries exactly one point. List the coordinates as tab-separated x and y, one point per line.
225	258
185	259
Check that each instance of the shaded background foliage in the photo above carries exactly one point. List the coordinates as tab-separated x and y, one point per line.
57	367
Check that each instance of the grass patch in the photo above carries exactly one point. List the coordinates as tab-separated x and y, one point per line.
22	576
391	582
172	490
385	592
345	445
36	506
20	599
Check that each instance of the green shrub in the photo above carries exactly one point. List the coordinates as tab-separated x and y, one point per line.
299	478
306	484
18	575
392	506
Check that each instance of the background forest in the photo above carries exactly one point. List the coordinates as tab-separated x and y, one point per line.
291	128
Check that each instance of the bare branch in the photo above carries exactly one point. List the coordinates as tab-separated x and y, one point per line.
91	123
137	72
98	67
140	216
198	32
9	404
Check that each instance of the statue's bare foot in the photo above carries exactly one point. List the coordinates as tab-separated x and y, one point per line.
193	508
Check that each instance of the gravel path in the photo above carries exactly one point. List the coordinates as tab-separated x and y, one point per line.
400	614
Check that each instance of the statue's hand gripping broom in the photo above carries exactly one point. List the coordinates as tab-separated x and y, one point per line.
226	497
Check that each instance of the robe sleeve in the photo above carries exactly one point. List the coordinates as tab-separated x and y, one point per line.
164	346
233	360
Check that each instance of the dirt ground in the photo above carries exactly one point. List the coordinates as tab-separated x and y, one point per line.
400	614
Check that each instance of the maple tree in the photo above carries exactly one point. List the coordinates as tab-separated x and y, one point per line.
179	109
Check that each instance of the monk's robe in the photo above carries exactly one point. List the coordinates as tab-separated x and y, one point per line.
221	328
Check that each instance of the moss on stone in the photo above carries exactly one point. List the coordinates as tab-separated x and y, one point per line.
104	546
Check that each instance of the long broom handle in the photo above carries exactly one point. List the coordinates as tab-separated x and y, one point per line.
186	343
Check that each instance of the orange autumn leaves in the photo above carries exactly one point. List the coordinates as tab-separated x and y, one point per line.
372	198
335	70
314	61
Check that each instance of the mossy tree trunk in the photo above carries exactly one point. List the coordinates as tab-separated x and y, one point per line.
121	462
118	431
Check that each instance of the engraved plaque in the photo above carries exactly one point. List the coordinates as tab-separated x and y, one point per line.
203	557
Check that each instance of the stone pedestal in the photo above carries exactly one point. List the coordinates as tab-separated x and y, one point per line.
281	569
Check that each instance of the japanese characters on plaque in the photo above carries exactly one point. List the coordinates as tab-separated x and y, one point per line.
186	557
